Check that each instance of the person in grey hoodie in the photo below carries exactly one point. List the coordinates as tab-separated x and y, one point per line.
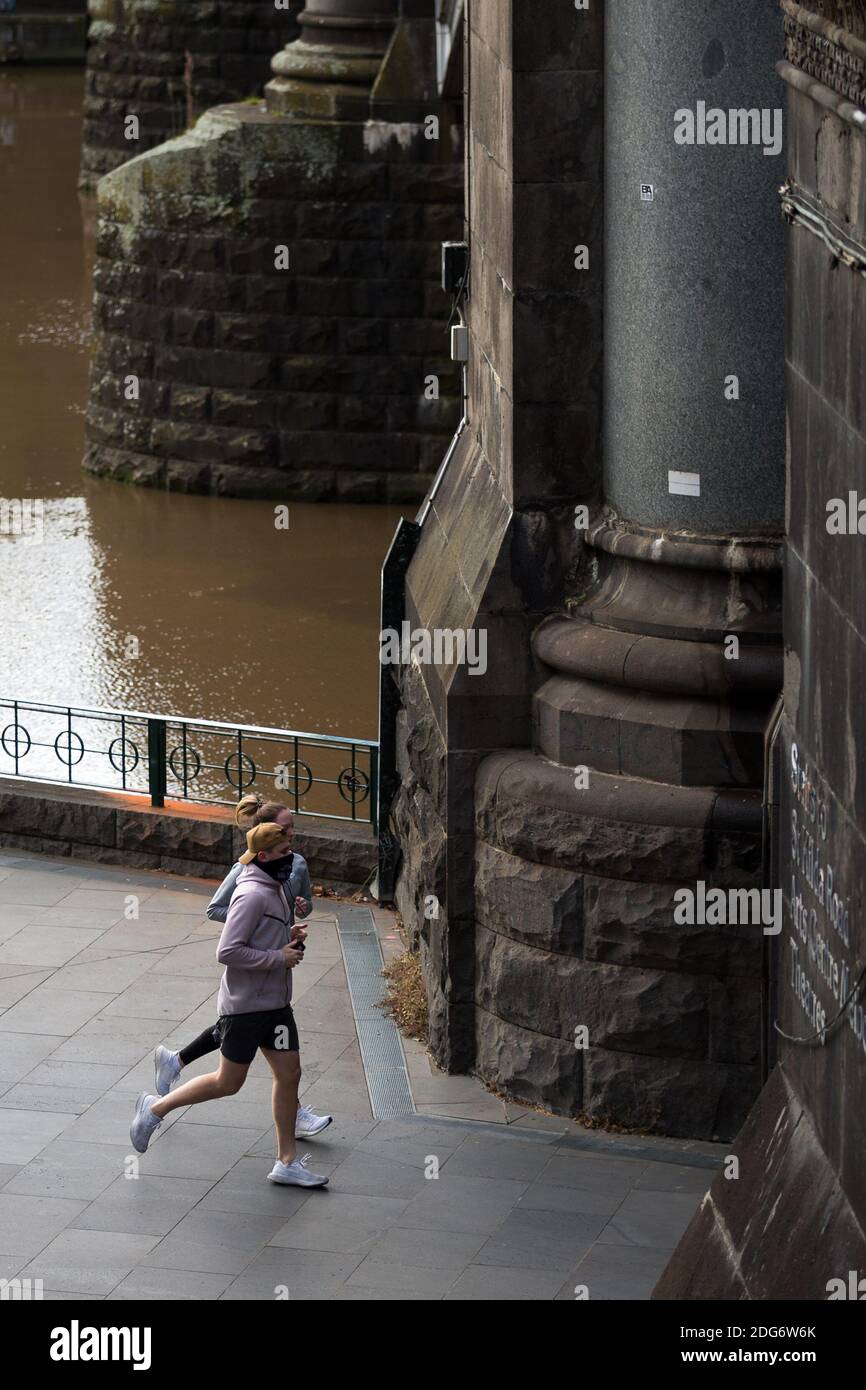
294	875
254	1007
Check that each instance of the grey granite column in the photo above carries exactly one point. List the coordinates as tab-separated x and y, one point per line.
330	70
694	267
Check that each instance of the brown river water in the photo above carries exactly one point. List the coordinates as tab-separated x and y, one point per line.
134	599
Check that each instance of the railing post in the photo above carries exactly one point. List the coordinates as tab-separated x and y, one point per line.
156	761
374	789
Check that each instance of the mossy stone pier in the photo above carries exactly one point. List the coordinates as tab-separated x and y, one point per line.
271	279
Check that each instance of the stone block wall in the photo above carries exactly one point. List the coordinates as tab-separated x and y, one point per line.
43	31
800	1151
311	382
201	841
166	61
499	547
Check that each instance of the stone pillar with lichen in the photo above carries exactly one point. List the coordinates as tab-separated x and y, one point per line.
163	62
271	278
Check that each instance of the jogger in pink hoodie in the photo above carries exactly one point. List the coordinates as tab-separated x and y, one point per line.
254	1007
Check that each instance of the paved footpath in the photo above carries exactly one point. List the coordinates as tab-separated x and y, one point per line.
525	1206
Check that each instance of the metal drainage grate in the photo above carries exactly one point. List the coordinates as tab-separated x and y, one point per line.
381	1049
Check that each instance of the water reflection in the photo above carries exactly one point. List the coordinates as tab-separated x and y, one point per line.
137	599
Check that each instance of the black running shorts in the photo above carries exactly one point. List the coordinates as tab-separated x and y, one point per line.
241	1035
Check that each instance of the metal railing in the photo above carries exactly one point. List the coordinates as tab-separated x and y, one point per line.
196	760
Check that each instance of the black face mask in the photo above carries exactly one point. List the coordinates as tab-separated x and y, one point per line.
274	867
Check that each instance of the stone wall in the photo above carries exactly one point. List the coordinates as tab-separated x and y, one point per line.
44	31
201	841
311	382
499	547
800	1151
554	903
166	61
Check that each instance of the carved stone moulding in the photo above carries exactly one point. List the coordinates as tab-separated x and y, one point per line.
848	14
826	40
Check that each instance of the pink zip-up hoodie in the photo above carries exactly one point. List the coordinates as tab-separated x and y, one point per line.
258	925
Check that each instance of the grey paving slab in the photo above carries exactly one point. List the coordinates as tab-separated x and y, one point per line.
532	1239
302	1273
386	1276
489	1112
152	931
111	973
542	1196
9	972
656	1219
360	1293
90	918
371	1175
319	1050
15	987
89	1262
65	1169
339	1223
23	889
201	1151
14	917
28	1224
192	959
61	1296
328	1096
160	1285
331	975
53	1071
471	1205
509	1216
107	1121
24	1133
245	1189
616	1272
178	900
497	1158
142	1205
593	1172
65	1099
667	1177
215	1241
110	1029
20	1053
49	1011
427	1249
169	998
338	1141
492	1284
240	1112
99	900
413	1144
327	1010
98	1045
45	946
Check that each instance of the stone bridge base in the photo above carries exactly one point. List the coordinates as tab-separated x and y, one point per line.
202	841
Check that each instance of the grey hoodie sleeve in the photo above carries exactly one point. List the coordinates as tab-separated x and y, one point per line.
244	915
301	886
218	907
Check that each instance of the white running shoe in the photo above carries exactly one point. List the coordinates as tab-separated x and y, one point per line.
166	1070
309	1124
296	1174
144	1123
